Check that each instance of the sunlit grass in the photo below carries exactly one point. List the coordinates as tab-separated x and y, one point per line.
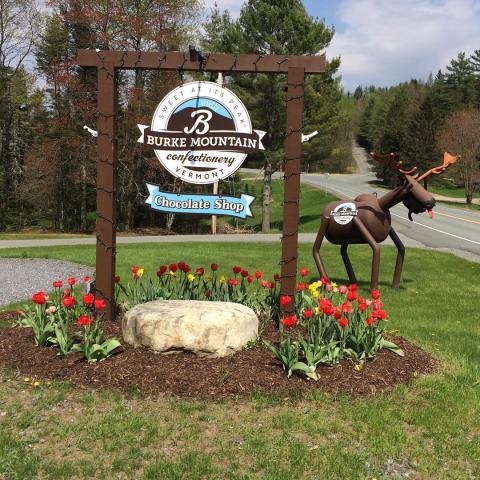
429	429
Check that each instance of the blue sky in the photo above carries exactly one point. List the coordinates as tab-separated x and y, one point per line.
384	42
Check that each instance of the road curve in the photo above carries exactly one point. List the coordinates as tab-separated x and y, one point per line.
452	229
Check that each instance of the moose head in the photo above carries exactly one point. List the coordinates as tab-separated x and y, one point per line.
411	192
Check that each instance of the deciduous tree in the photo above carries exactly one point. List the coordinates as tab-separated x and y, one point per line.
461	135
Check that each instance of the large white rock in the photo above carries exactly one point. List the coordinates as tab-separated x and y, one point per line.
214	329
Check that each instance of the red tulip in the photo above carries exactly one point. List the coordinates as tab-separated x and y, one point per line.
68	302
88	299
39	298
84	320
233	282
250	279
135	269
379	314
352	295
377	304
236	269
308	313
353	287
284	300
370	321
57	284
325	280
214	267
117	278
87	279
258	275
100	304
244	273
326	306
362	306
276	277
181	265
343	322
265	283
289	321
200	271
300	287
375	294
71	281
304	271
346	307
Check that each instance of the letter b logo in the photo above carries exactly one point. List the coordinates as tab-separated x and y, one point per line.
201	126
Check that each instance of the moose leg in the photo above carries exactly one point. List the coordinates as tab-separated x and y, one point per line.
375	249
400	257
347	263
317	245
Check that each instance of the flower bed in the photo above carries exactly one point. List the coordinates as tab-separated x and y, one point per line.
68	322
335	322
328	324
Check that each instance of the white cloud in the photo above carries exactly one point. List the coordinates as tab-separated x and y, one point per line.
233	6
386	42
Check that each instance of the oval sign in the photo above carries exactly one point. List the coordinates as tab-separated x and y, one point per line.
201	133
344	213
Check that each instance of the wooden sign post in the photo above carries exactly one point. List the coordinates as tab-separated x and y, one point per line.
108	62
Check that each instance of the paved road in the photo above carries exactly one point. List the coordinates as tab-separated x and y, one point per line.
452	229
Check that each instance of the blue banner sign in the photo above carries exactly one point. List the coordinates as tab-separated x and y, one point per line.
199	203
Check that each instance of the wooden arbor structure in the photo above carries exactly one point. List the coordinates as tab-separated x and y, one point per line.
108	62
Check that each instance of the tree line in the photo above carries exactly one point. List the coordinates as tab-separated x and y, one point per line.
418	120
48	158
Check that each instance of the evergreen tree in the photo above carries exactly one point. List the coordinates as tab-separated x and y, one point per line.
269	27
420	142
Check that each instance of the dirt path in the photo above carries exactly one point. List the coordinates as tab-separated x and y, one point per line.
361	158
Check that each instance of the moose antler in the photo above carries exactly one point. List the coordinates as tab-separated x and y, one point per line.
388	160
447	161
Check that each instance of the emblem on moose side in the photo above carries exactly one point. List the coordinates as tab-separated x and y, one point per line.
367	219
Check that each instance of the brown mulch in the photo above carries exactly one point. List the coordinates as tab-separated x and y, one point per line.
186	375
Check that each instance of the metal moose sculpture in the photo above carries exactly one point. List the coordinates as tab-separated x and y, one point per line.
367	219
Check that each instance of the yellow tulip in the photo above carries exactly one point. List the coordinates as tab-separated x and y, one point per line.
190	277
140	272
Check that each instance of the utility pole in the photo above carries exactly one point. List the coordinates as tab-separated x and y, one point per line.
215	185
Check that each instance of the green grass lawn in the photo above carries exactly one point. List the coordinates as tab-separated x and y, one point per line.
312	201
430	429
455	192
38	235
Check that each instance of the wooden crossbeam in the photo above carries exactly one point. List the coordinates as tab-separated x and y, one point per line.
215	62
